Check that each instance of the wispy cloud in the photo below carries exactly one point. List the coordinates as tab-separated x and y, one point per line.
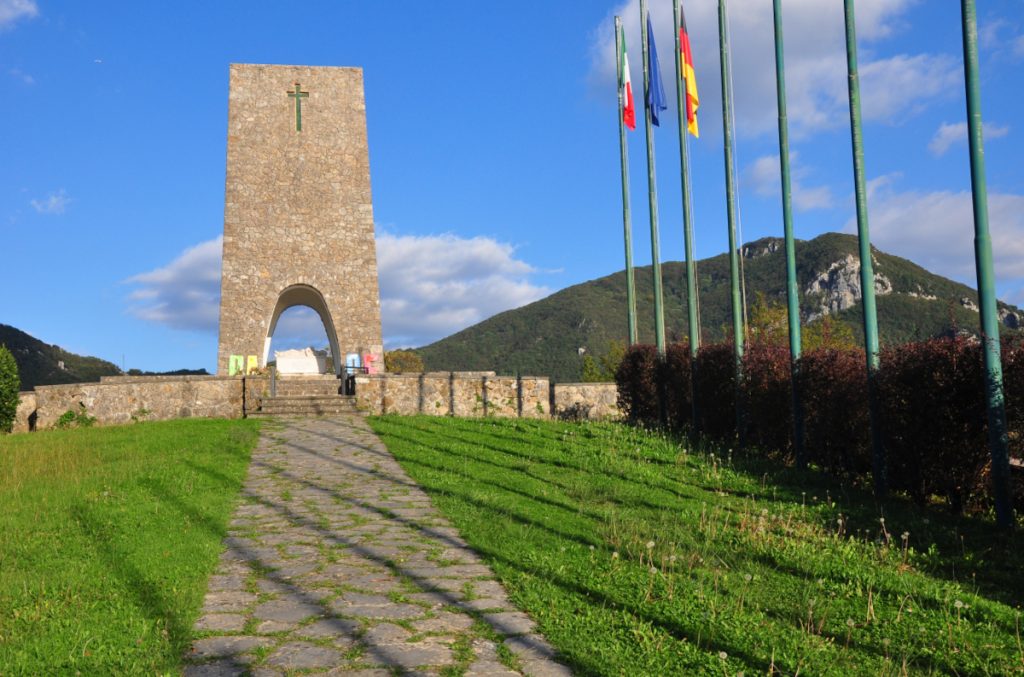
54	203
764	176
431	286
12	11
21	75
950	133
184	294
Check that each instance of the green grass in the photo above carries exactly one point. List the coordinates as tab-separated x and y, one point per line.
636	556
107	538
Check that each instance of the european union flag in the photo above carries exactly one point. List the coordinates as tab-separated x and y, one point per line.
655	89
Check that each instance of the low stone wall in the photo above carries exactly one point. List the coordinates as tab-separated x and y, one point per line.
592	401
467	394
24	417
473	394
122	399
114	400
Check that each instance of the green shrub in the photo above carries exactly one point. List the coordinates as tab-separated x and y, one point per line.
75	419
9	385
399	361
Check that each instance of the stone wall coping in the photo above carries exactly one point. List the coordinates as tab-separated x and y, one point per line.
585	384
158	378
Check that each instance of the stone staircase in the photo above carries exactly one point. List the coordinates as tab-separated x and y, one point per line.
306	396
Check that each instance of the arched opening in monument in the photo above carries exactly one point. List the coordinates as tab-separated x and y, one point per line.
301	320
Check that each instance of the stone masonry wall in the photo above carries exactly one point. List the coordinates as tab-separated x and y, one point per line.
24	417
601	398
114	402
298	214
468	394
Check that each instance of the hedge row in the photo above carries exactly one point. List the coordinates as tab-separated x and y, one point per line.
931	408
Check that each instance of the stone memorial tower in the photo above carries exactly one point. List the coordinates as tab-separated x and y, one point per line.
298	218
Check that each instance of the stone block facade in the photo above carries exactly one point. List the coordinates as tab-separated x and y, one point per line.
298	214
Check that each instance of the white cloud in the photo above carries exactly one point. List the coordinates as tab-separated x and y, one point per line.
764	176
815	61
13	10
54	203
936	230
431	286
435	285
184	294
949	133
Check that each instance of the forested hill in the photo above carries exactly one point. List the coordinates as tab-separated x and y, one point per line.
40	363
546	337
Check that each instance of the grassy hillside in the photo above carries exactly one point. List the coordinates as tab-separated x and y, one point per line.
545	337
638	555
39	363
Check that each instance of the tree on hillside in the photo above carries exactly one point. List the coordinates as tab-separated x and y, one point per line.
769	324
602	370
407	361
9	385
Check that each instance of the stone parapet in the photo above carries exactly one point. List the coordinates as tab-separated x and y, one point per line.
465	394
112	403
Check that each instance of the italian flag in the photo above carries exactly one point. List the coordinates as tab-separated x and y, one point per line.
626	95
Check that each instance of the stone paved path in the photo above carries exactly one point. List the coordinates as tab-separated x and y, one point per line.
337	562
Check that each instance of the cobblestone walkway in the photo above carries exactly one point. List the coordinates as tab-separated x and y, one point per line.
337	562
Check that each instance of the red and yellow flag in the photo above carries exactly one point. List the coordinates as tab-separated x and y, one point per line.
686	68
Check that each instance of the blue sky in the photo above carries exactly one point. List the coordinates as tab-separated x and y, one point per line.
493	150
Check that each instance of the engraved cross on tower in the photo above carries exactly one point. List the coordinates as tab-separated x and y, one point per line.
298	95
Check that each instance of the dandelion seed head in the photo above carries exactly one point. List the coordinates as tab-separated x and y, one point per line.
748	578
849	623
615	555
958	604
653	570
723	655
650	544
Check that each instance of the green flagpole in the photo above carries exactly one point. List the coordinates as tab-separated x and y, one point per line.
652	192
792	293
693	322
867	275
997	429
730	194
627	227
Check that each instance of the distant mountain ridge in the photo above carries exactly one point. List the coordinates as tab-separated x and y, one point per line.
44	364
549	337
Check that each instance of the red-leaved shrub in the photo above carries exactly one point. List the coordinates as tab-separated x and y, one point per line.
934	419
715	388
637	380
674	376
833	384
767	397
